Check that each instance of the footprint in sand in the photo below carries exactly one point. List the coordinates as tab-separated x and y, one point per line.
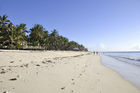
13	79
2	72
62	88
72	91
43	62
12	62
5	92
37	65
73	83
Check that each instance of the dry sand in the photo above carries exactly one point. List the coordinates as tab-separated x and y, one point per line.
58	72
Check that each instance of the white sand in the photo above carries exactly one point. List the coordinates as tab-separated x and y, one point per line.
58	72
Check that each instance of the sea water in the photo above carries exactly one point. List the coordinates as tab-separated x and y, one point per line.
127	64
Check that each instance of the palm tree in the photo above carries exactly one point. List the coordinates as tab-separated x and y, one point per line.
62	43
4	20
19	35
36	35
4	30
53	39
72	45
11	28
45	40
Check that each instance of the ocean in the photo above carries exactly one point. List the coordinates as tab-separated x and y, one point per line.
127	64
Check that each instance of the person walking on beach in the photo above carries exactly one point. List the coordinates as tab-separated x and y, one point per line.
96	53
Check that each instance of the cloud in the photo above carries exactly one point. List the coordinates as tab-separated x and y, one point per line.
135	47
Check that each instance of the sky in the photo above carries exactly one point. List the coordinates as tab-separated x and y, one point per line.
100	25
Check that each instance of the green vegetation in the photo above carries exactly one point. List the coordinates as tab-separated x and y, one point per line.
18	37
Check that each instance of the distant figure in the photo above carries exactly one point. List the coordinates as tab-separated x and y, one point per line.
96	53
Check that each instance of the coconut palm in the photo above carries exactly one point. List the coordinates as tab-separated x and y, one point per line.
11	28
45	40
36	35
19	35
4	30
62	43
72	45
4	20
53	40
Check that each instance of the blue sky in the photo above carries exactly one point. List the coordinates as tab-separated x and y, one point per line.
97	24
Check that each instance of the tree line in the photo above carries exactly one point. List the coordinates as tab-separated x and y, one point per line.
18	37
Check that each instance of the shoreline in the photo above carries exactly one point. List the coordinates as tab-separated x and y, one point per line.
126	75
123	77
59	72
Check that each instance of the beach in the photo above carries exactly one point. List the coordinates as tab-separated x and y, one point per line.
58	72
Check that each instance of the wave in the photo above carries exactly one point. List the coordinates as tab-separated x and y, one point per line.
127	59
